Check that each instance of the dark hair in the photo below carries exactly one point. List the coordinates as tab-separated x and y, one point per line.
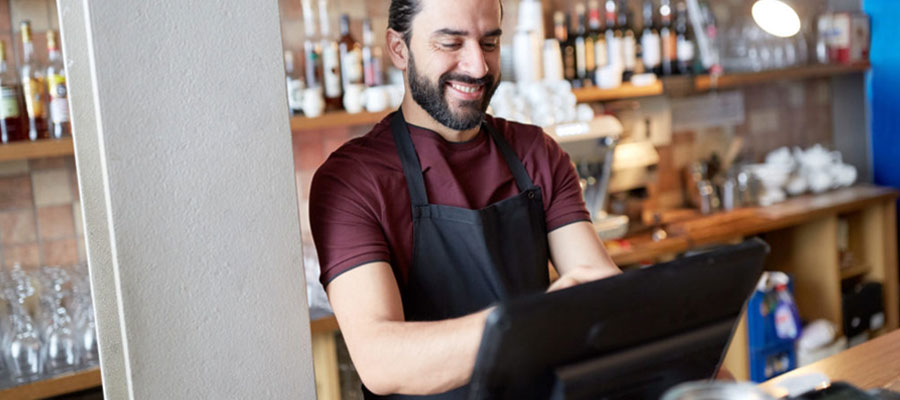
401	14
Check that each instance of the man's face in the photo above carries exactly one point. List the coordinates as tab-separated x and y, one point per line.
454	61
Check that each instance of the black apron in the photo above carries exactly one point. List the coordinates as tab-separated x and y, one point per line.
465	260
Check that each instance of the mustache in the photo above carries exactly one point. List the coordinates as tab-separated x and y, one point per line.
487	80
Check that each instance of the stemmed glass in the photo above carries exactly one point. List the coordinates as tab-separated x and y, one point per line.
23	348
61	345
86	325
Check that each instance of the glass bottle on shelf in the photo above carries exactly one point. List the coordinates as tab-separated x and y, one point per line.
667	38
351	56
595	29
312	52
294	84
684	47
33	87
629	41
567	47
331	64
371	55
616	52
651	51
57	90
11	128
581	40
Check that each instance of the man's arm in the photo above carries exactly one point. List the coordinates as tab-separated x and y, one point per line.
394	356
578	255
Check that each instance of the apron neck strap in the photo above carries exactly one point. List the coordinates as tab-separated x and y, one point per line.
412	169
523	181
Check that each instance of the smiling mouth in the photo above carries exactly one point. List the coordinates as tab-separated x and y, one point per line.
467	91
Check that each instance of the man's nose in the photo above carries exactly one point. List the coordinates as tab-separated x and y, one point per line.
473	62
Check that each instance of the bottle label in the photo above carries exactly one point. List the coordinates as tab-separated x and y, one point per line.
600	53
589	56
9	105
33	89
352	67
59	102
629	49
616	53
331	68
580	58
650	45
669	47
685	51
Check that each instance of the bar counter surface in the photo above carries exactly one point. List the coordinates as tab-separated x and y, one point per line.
873	364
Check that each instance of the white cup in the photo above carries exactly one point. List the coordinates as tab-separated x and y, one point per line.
353	98
313	102
376	99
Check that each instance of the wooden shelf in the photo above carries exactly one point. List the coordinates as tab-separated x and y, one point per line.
626	91
90	378
58	385
705	82
39	149
336	119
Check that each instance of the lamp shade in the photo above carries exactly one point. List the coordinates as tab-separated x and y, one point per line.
776	17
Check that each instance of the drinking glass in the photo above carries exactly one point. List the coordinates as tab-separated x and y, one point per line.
61	352
85	324
23	348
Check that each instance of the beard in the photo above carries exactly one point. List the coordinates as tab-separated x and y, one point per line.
432	98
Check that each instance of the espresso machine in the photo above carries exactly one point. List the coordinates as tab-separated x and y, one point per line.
592	148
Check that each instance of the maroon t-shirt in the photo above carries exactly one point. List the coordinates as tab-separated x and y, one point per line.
359	202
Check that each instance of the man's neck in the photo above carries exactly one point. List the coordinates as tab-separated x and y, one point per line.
414	114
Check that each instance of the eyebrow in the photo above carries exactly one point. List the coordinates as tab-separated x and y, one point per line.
455	32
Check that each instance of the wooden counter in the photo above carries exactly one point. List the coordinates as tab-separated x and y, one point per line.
874	364
721	228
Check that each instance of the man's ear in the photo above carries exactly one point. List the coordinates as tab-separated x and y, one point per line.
397	49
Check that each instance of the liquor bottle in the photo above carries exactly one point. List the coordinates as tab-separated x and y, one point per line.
371	55
615	52
294	84
11	128
57	89
581	40
651	52
667	38
33	87
312	50
629	41
331	64
595	30
684	47
567	47
351	56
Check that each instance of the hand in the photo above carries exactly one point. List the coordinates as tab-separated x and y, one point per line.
581	275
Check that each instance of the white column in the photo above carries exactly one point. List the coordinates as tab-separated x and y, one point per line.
185	167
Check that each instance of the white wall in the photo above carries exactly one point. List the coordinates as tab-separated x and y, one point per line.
185	163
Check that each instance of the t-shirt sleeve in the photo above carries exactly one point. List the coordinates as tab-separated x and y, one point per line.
344	218
565	200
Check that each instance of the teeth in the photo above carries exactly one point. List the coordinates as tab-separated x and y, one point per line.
464	89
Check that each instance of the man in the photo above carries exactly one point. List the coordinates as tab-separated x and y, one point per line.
441	211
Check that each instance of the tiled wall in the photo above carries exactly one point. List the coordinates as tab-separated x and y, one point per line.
40	213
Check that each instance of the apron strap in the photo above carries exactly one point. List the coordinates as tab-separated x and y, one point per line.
412	169
410	161
523	181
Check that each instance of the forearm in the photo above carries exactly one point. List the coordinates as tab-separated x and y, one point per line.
418	357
